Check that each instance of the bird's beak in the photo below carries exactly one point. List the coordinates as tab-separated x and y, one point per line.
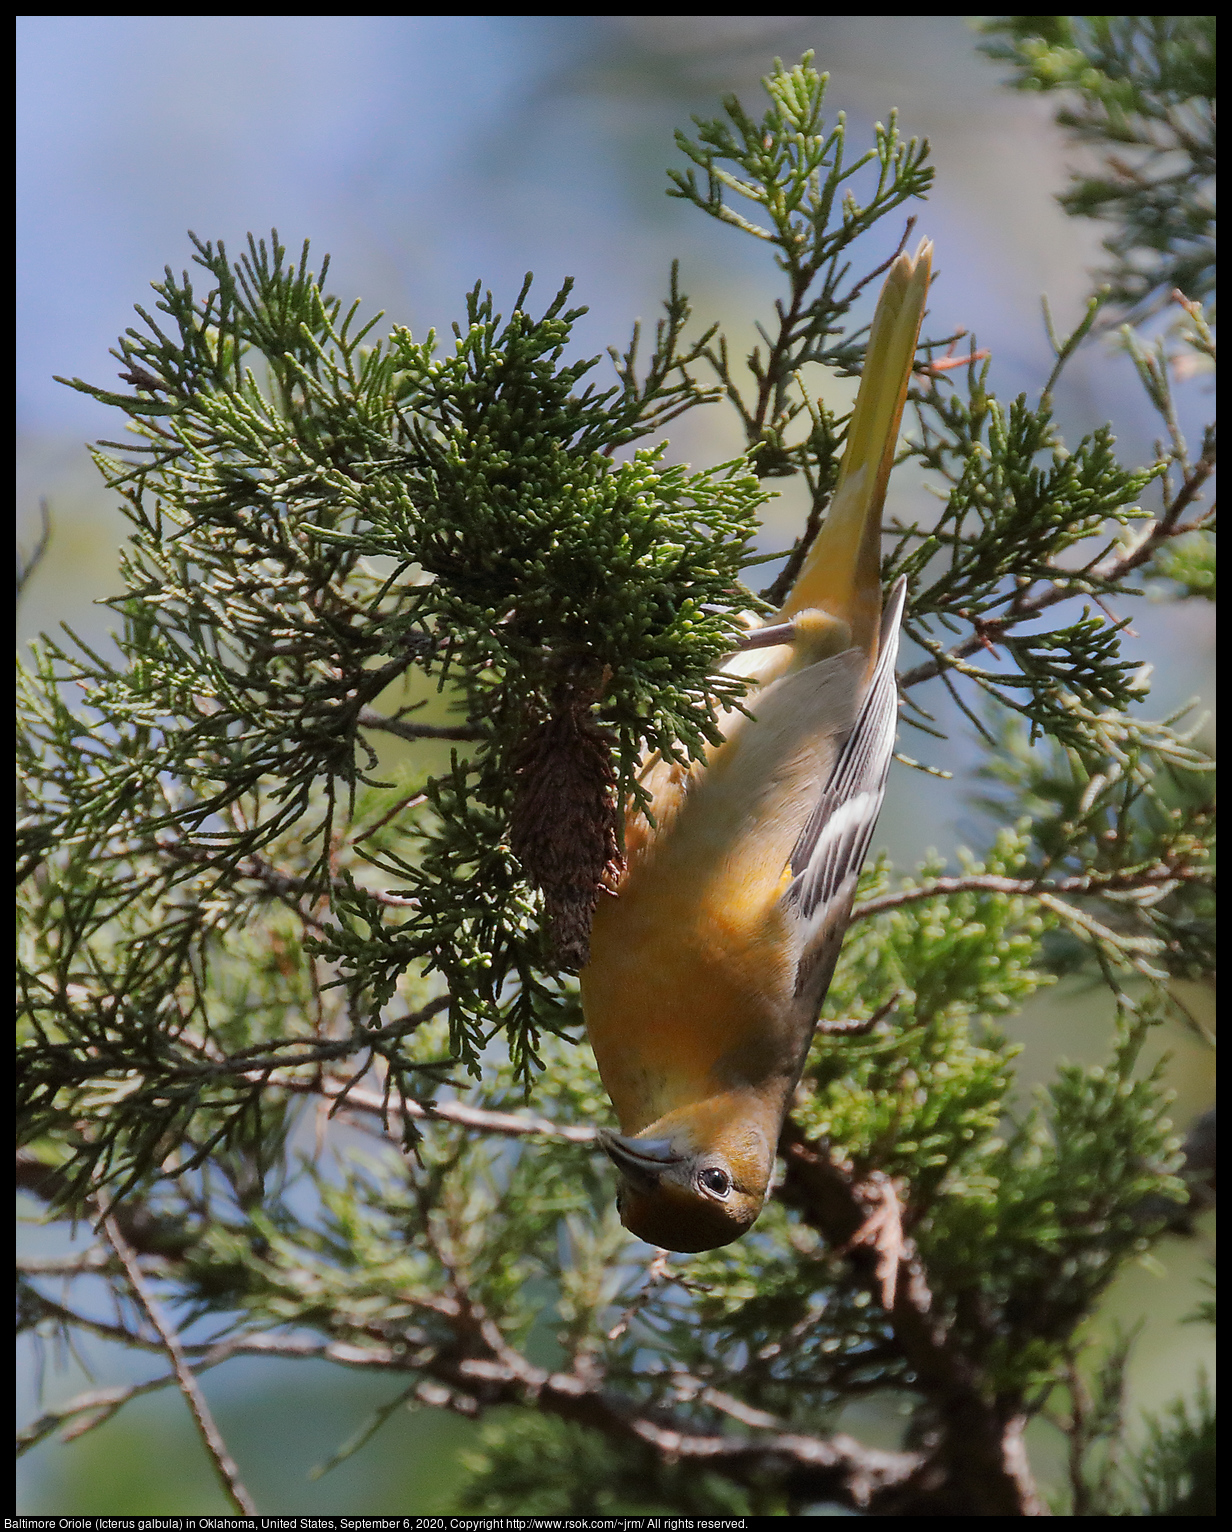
642	1160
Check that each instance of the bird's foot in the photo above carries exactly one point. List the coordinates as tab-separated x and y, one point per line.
815	633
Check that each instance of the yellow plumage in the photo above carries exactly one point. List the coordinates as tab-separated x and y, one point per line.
710	964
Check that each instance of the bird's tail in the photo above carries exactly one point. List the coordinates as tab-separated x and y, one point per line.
842	573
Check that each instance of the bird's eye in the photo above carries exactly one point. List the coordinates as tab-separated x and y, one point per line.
716	1182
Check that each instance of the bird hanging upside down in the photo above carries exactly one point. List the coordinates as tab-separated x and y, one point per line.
709	967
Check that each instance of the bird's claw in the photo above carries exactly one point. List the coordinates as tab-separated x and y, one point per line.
769	638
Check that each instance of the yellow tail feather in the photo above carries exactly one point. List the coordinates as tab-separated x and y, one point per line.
842	573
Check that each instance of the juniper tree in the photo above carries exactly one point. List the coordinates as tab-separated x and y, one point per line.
235	915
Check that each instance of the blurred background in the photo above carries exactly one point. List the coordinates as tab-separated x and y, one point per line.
425	154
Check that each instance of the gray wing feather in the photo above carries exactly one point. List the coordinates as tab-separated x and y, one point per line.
831	849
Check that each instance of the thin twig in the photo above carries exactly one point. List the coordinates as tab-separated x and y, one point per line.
104	1402
493	1372
28	564
412	801
369	719
1112	571
99	1405
483	1120
993	883
88	1263
223	1462
121	1334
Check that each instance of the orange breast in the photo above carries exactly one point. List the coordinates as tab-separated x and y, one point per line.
684	996
690	984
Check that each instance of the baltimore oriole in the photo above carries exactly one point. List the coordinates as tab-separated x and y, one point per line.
709	967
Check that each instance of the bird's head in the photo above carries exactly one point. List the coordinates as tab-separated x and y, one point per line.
694	1180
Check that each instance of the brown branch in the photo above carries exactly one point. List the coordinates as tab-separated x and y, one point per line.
483	1364
259	1063
489	1370
411	801
776	592
1191	488
485	1371
99	1405
369	719
215	1446
44	1181
64	1316
88	1264
283	886
481	1119
249	1062
104	1402
1090	883
978	1466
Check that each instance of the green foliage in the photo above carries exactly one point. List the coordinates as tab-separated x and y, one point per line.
237	922
795	172
531	1466
1035	512
1095	1429
512	555
1175	1471
1169	1470
1190	563
1126	819
1141	91
1017	498
1007	510
784	1316
1028	1243
480	477
923	1087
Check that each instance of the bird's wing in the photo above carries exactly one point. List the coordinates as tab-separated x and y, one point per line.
827	858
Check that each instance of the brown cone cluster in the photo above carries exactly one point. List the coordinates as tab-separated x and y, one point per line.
563	826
